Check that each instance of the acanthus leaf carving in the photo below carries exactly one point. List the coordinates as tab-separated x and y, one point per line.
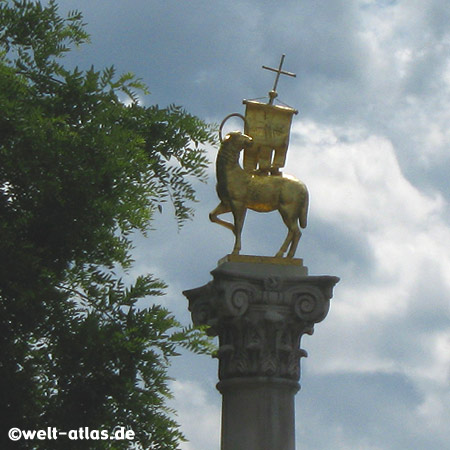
260	319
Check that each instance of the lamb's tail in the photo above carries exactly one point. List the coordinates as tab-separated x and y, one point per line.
303	218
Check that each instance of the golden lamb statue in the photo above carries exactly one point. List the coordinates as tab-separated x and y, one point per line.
260	185
239	191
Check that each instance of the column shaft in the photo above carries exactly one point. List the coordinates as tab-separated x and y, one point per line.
260	308
258	413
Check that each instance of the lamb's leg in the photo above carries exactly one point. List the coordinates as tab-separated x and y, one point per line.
293	235
221	209
285	245
294	243
239	211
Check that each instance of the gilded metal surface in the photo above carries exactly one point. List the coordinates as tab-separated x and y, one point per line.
239	191
273	93
251	259
269	127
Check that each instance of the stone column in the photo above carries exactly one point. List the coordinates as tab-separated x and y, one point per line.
259	308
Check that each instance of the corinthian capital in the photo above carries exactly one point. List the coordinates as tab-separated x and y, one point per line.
260	310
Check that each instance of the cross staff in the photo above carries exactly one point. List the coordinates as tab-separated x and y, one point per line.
273	93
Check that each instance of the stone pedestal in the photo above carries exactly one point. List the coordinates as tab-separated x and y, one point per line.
259	308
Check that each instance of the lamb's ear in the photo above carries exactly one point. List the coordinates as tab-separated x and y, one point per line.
232	134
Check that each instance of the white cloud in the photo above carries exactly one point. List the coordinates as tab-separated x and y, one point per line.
199	416
372	143
359	187
389	323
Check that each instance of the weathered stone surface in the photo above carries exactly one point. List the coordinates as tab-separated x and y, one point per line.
260	308
260	312
258	413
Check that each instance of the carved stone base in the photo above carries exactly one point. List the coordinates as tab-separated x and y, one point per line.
260	308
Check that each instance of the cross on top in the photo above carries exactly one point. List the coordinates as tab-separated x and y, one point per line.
273	93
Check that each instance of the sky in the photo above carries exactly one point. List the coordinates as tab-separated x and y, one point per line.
372	143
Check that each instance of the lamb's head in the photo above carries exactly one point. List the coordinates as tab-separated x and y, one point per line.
236	141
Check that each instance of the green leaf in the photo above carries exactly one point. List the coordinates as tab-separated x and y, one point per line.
80	173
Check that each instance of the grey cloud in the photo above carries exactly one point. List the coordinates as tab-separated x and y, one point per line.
364	411
327	246
207	56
